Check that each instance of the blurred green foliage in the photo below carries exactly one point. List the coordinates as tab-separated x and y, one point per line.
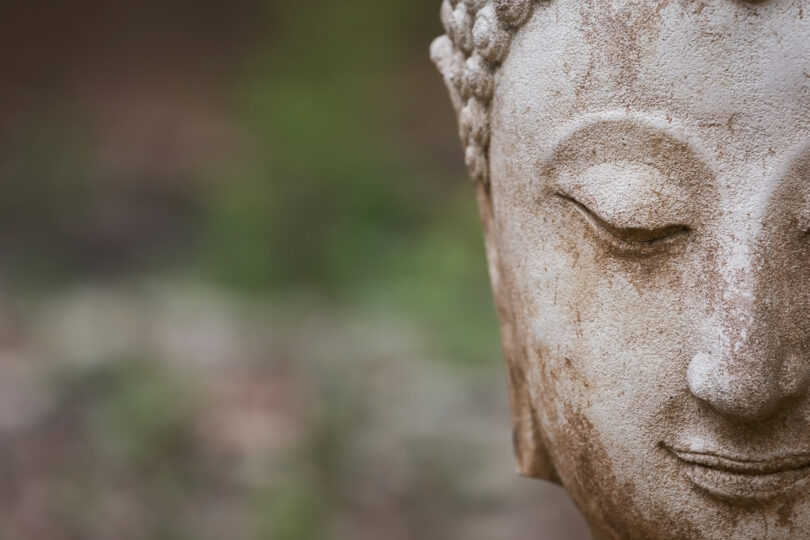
122	430
334	205
237	266
345	190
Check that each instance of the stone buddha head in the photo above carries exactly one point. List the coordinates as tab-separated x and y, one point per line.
642	169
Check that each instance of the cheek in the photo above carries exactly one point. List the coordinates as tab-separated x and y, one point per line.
610	330
606	353
606	340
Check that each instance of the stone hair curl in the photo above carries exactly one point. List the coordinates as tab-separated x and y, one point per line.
479	33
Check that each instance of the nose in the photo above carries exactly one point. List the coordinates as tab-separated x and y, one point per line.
746	386
752	359
754	355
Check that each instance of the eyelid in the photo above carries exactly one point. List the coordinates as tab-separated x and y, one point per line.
636	239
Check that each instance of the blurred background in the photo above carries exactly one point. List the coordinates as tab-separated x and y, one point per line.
243	287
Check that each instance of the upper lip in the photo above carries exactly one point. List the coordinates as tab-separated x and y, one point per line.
744	466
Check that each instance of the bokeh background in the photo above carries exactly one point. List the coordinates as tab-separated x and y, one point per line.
243	286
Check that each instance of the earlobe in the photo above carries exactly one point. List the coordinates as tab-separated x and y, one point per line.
532	458
531	455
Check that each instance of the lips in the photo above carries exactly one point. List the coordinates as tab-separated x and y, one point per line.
745	480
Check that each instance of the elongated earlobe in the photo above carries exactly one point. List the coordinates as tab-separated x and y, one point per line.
530	450
531	455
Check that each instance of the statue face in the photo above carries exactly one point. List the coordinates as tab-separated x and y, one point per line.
648	221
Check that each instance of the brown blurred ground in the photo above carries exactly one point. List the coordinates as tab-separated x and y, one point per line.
243	288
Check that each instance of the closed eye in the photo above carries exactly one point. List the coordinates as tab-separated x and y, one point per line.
628	238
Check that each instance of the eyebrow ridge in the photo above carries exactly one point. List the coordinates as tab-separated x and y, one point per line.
664	126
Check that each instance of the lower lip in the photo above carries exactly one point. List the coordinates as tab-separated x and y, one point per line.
743	483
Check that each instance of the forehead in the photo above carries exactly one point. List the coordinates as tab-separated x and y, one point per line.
733	75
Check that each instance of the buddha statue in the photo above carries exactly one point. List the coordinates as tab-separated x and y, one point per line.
642	169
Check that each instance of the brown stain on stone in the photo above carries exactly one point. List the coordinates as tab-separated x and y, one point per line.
620	34
626	141
610	505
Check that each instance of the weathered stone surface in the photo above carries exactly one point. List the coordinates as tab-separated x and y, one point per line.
643	175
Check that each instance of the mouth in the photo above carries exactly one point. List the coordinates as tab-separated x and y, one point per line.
745	480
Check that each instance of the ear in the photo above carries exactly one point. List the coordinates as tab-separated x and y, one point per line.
532	457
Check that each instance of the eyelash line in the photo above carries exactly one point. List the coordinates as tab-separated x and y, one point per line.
635	239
